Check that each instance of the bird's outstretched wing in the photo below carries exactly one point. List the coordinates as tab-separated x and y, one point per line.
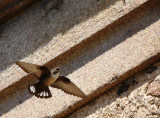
36	70
67	86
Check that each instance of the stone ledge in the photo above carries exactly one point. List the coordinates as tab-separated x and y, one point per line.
73	55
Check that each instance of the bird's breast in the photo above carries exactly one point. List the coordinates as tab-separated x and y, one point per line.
48	81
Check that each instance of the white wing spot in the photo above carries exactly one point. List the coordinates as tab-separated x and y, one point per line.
41	94
44	93
32	88
47	94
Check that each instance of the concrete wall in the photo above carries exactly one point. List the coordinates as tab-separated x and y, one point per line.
97	44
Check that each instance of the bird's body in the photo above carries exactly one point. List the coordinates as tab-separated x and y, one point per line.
47	78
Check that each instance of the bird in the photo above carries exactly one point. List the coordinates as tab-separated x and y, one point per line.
48	78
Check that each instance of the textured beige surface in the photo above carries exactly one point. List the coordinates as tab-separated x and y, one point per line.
89	68
134	103
154	88
39	39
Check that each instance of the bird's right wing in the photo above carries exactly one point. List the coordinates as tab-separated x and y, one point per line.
28	67
36	70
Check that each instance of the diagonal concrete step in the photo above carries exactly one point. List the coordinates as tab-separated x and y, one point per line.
121	49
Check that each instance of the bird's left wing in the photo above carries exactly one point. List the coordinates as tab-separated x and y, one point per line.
67	86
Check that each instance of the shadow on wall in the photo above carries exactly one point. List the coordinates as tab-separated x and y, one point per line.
95	46
33	29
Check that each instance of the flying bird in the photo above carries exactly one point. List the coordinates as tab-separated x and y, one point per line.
48	78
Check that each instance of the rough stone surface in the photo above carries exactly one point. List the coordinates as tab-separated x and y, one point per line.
154	88
134	103
39	39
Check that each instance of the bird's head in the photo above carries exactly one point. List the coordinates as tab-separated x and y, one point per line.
55	72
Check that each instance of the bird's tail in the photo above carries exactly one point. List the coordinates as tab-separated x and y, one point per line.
40	90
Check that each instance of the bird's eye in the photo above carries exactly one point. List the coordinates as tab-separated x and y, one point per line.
54	72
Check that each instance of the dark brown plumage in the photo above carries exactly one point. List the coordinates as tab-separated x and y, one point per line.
47	78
